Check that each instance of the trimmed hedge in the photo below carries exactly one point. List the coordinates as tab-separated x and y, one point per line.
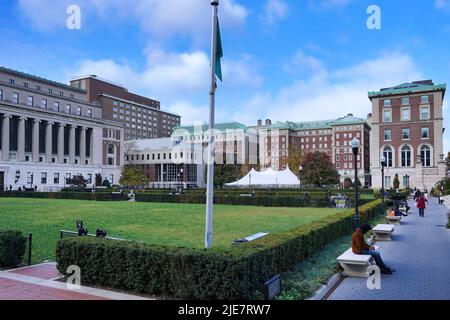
264	201
65	195
12	248
201	274
224	199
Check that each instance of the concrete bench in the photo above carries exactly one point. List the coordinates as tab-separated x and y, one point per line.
393	220
355	265
246	195
383	232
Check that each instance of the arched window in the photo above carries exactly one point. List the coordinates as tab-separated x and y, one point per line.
406	156
110	149
387	152
425	155
110	159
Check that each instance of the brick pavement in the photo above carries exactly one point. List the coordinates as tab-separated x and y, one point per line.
35	283
420	251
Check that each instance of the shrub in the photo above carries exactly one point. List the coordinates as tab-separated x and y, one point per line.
201	274
12	248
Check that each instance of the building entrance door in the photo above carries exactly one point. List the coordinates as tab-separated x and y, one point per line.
2	181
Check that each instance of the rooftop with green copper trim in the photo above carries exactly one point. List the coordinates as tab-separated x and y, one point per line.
39	79
204	127
408	88
316	125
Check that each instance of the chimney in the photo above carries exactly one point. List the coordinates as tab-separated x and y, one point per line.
268	122
259	122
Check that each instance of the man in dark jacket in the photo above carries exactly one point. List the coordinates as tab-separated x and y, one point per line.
359	246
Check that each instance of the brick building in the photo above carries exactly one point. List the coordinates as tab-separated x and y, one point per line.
49	133
141	116
332	137
407	128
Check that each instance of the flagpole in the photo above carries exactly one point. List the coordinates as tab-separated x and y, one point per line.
211	134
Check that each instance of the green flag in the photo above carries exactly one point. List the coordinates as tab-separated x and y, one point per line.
219	53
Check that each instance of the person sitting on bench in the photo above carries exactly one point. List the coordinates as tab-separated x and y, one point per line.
398	213
359	246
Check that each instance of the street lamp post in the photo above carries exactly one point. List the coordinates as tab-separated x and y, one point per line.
181	177
300	169
355	148
383	165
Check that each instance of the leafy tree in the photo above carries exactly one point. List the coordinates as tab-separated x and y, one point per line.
133	176
129	148
224	173
106	183
348	183
98	179
396	182
246	168
318	170
294	159
447	162
77	182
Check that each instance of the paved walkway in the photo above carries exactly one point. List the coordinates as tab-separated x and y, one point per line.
38	283
420	251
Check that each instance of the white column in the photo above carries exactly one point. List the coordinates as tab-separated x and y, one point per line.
48	142
21	140
5	137
72	144
35	142
83	146
61	143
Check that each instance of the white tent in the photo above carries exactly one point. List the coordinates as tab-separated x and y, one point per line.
285	178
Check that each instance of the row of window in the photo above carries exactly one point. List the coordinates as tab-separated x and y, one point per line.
346	165
39	88
406	134
44	105
406	114
388	181
158	156
406	101
406	155
56	178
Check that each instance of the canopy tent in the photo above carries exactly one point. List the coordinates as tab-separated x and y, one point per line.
269	177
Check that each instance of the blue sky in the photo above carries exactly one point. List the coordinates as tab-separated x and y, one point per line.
294	60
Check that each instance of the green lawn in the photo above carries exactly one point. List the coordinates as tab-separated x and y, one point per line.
155	223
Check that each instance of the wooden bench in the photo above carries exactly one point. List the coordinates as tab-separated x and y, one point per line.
72	234
251	238
355	265
383	232
393	220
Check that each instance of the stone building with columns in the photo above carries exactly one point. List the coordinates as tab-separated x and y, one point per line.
49	132
407	129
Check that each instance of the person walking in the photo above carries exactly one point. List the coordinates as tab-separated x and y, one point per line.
421	204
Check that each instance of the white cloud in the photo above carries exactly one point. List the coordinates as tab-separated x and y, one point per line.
156	17
441	4
331	93
303	63
172	77
274	10
328	4
190	113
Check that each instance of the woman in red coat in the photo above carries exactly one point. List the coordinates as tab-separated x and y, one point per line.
421	204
